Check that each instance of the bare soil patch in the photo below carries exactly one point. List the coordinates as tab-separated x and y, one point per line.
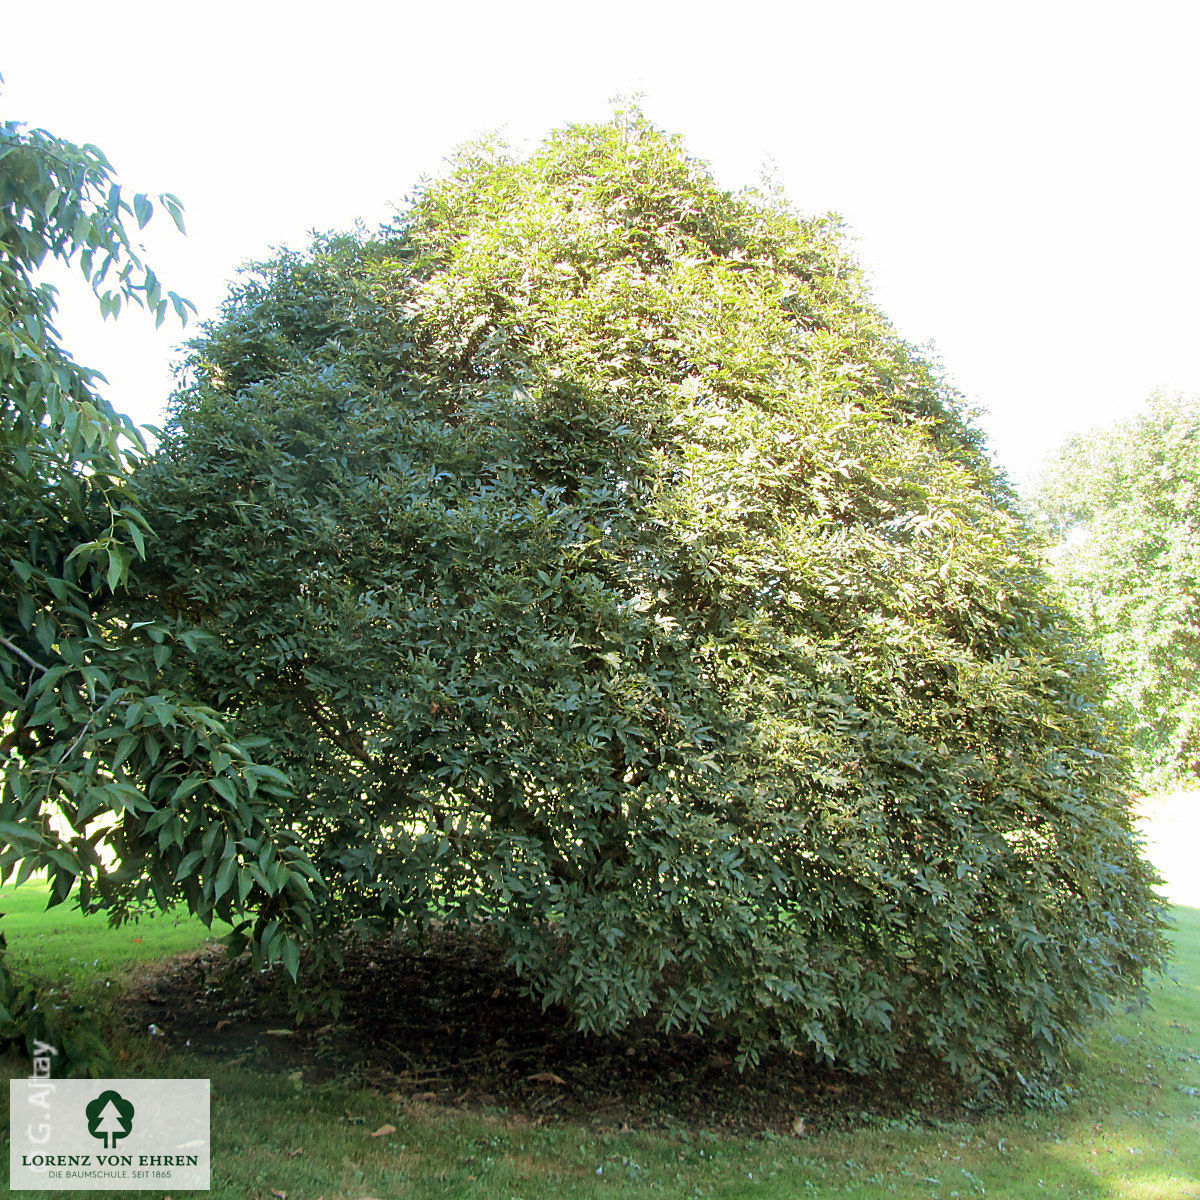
448	1023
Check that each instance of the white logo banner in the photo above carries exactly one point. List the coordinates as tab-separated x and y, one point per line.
71	1134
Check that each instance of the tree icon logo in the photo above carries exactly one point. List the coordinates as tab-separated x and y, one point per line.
109	1116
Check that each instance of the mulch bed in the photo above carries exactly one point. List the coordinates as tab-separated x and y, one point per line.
447	1023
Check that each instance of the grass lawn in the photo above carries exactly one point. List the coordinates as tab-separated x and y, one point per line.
1132	1131
62	942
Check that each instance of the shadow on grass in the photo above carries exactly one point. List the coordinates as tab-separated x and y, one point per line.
1132	1133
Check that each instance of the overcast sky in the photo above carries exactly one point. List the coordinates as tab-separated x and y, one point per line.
1021	179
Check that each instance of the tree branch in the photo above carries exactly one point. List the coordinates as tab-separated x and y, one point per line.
33	662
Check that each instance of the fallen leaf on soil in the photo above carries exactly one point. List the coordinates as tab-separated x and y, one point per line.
384	1130
547	1077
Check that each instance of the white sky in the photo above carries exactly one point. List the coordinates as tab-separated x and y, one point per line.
1021	178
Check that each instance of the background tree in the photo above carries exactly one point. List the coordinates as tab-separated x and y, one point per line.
1124	504
604	566
122	788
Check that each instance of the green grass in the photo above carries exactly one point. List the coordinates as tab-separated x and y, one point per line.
1132	1132
61	943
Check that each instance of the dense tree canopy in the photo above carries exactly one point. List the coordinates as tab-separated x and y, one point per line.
98	745
1124	504
599	563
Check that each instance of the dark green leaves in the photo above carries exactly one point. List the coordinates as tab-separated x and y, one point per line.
113	780
597	562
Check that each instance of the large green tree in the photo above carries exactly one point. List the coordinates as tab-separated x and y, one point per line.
124	789
1124	507
602	565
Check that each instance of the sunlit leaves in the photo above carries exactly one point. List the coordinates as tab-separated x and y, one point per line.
599	563
1123	506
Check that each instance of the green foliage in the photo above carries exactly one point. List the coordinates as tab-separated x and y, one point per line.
1124	504
29	1019
124	789
604	567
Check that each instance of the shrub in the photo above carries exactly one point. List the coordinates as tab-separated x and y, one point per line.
601	565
